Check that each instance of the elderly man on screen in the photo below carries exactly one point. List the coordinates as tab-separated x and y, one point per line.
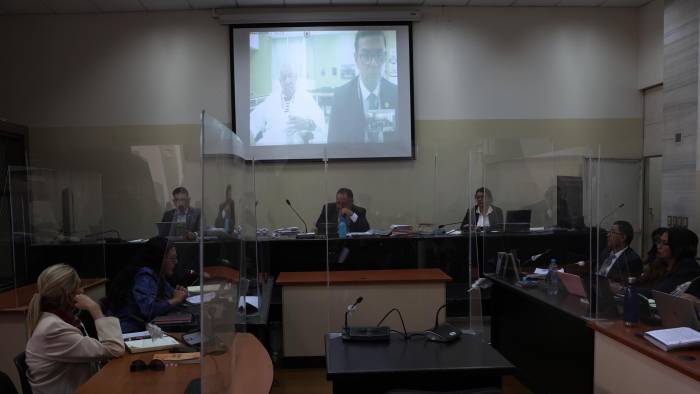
288	116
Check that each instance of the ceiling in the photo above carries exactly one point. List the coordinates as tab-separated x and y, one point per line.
9	7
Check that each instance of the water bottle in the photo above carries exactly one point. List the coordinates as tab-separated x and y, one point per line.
552	279
227	224
342	228
631	315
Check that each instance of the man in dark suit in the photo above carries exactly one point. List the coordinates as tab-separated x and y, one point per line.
366	95
182	215
355	217
619	261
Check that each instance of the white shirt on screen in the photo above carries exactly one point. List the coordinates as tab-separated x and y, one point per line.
269	121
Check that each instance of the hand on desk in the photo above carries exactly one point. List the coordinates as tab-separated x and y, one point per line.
179	295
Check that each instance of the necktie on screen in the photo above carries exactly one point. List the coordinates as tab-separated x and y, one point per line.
372	101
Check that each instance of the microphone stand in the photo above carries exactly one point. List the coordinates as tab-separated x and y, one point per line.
306	234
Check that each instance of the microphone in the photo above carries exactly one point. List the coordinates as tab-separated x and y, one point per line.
536	257
306	229
351	308
442	332
610	213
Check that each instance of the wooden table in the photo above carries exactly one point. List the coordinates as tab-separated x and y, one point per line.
314	303
244	369
13	320
627	363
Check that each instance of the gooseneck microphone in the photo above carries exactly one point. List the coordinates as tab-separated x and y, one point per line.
306	229
351	308
610	214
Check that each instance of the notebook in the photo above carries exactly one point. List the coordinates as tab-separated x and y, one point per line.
150	344
673	338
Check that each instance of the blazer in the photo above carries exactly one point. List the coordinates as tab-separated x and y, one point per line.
628	264
347	122
191	224
360	225
684	270
60	358
495	217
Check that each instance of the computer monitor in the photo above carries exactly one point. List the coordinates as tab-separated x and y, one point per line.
517	221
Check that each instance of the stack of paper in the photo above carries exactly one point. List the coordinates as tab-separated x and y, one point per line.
397	230
149	344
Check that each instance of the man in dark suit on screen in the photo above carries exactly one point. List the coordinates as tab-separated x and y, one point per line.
355	217
365	109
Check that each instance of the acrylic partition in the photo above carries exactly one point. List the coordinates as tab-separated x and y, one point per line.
616	194
234	290
54	213
542	209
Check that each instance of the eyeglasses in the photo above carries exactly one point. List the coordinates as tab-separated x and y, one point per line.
614	232
181	199
367	56
661	242
140	365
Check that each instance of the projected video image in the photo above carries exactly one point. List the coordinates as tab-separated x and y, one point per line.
323	87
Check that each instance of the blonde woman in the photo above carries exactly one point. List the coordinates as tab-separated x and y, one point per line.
60	356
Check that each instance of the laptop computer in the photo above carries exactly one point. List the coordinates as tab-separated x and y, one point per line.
517	221
676	311
573	284
171	229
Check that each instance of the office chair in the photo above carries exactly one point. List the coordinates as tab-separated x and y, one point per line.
6	385
22	369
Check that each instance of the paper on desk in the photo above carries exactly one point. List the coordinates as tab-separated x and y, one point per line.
197	299
545	271
138	334
207	288
251	300
150	344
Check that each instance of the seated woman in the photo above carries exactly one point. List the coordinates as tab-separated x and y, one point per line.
484	214
59	354
675	263
141	291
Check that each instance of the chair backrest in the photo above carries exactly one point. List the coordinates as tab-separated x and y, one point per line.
6	385
22	369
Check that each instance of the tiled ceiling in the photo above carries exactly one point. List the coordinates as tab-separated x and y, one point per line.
9	7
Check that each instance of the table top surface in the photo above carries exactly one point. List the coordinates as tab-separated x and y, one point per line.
16	300
686	361
420	275
468	354
221	373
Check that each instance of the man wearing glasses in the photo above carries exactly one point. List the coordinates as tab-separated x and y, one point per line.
183	218
364	109
620	261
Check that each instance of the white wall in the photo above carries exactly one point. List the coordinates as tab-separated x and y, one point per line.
114	69
651	44
525	63
469	63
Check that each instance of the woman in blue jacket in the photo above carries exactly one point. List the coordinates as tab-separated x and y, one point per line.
141	291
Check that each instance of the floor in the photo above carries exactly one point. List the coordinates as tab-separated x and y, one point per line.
313	381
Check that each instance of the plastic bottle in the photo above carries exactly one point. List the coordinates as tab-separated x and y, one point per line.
552	279
227	225
342	228
631	315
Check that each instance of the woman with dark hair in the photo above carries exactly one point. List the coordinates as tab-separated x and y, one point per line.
484	214
675	261
141	291
651	254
